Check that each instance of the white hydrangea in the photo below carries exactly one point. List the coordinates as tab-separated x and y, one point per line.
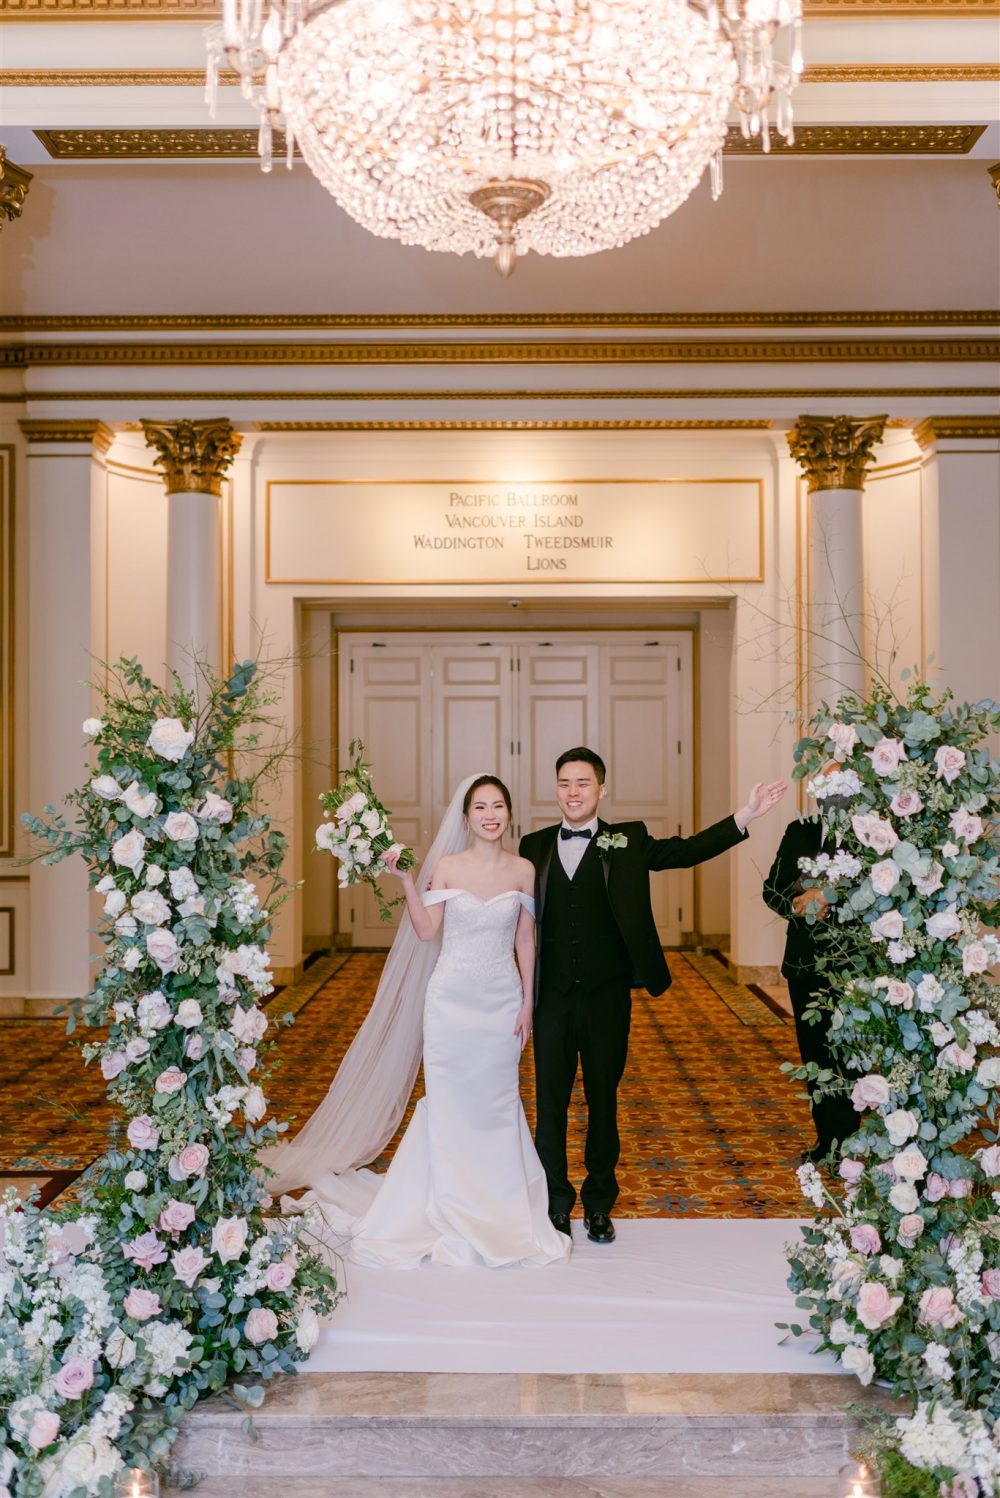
929	1440
167	1346
244	901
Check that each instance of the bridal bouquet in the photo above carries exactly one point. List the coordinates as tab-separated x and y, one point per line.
359	834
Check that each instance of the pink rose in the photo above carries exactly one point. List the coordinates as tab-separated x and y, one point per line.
888	926
112	1066
938	1308
248	1025
851	1171
176	1217
137	1049
191	1161
870	1092
74	1378
44	1429
171	1080
991	1283
943	923
884	876
229	1238
935	1187
180	827
950	763
865	1238
142	1133
960	1187
875	1305
247	1058
965	825
193	1047
162	947
975	958
188	1263
871	831
906	804
260	1326
896	992
962	1059
215	808
279	1276
146	1251
142	1304
910	1228
886	756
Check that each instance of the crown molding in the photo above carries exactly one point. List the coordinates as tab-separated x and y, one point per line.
194	11
66	431
933	428
679	393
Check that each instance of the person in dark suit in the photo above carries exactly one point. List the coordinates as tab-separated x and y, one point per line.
598	939
833	1116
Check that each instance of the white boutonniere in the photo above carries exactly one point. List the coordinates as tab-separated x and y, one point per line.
609	840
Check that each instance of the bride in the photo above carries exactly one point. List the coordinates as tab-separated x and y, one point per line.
465	1186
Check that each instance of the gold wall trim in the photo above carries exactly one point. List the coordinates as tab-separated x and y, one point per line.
212	144
8	682
790	392
683	424
932	427
282	322
836	72
583	351
881	9
96	433
196	10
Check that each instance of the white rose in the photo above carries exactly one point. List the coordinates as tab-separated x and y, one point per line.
254	1104
943	923
162	947
125	926
884	876
858	1360
129	852
170	739
180	827
950	850
119	1349
138	804
92	727
136	1180
888	926
910	1164
886	756
194	906
965	825
105	886
988	1074
975	957
931	882
115	903
215	809
843	736
989	1159
189	1014
131	960
182	883
326	836
229	1237
154	874
930	993
904	1198
307	1329
873	832
136	1049
107	787
150	908
154	1011
901	1126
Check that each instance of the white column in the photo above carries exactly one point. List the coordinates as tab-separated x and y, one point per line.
66	481
834	452
962	552
194	456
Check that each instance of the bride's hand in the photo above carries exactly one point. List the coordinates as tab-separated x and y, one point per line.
523	1027
391	858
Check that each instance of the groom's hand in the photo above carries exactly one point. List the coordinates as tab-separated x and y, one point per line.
760	800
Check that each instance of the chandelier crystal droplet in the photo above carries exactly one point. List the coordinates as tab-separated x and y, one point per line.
502	126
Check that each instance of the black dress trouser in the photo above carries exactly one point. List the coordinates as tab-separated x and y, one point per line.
588	1028
835	1117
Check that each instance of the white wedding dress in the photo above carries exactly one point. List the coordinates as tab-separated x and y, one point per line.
465	1186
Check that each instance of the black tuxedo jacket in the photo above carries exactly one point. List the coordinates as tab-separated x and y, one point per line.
626	876
801	840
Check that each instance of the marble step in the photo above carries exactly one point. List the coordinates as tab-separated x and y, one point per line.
518	1487
480	1427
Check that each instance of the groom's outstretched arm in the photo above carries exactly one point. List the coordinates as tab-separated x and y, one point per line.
685	852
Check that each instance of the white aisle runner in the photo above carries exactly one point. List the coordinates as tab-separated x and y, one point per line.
668	1297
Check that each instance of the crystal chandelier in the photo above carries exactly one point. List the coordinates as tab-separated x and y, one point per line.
500	126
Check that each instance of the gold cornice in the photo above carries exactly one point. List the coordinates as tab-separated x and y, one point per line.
96	433
928	431
837	72
834	452
677	393
14	184
683	424
241	144
193	11
582	351
194	455
238	322
884	9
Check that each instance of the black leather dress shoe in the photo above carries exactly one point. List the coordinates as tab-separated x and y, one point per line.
560	1221
600	1228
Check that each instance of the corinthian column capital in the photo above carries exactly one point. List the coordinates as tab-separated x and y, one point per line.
194	455
14	184
835	451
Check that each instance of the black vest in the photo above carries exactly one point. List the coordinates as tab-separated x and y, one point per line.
581	942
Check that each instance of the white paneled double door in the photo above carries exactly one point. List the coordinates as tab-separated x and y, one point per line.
433	708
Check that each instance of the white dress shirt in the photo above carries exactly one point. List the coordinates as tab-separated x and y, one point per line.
572	849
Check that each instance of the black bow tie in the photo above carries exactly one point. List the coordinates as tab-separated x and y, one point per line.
568	832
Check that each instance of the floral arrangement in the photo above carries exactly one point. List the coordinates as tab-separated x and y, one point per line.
609	840
170	1277
359	836
900	1272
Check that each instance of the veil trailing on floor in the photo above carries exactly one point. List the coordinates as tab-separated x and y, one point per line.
372	1086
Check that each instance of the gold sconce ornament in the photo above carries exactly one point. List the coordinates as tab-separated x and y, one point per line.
14	184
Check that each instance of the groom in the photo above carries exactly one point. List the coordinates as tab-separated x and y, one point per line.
597	939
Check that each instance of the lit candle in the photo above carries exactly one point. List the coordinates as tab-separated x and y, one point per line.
859	1482
136	1482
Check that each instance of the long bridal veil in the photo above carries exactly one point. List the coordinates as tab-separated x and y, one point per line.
368	1095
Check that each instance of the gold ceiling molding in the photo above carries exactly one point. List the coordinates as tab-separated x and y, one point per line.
835	72
196	10
928	431
239	322
195	455
214	145
835	452
761	425
881	9
14	184
681	393
66	431
584	351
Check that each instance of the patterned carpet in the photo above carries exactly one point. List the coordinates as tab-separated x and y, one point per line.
710	1126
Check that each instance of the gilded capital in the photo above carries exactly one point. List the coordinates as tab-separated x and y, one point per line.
14	184
194	455
834	452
